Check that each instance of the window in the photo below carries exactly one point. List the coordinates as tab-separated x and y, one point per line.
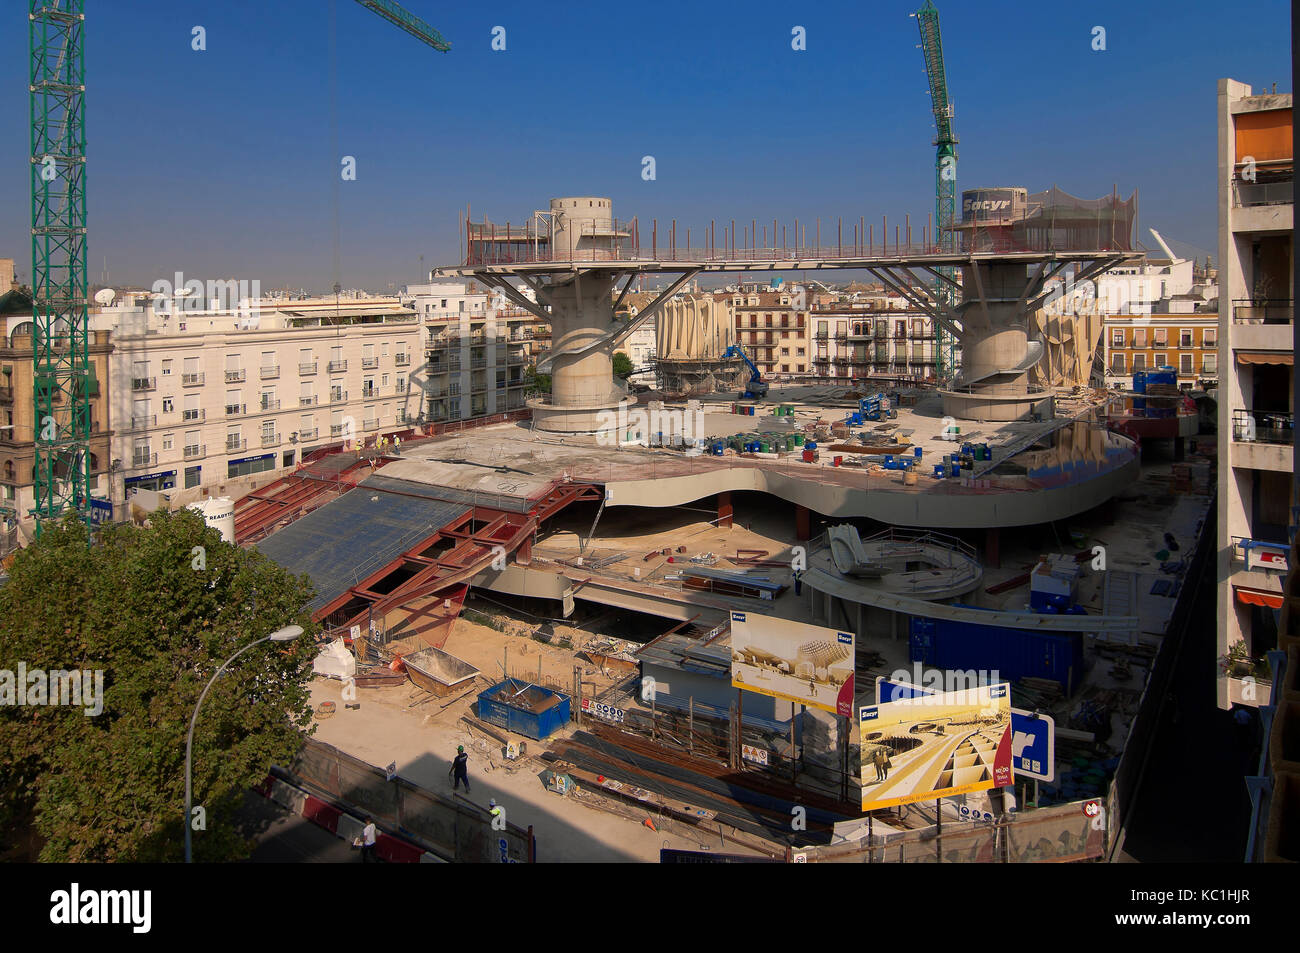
1160	336
259	465
1185	364
383	351
1139	362
1210	337
192	477
191	366
268	359
168	440
1139	337
168	405
1117	363
1117	337
1185	337
1161	360
1209	364
799	352
167	368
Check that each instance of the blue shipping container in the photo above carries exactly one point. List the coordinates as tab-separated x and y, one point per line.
525	709
1012	653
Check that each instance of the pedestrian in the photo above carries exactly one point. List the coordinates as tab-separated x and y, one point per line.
368	836
460	769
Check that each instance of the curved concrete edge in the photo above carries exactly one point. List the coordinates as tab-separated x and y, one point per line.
973	509
824	582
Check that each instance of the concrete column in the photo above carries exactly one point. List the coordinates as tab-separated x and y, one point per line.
724	510
802	523
991	546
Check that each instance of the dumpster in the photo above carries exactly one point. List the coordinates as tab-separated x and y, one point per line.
524	708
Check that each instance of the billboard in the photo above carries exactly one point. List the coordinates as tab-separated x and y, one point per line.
932	746
802	663
1033	736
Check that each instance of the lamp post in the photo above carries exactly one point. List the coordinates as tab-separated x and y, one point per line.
287	634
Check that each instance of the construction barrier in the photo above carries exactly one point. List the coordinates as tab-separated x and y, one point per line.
1062	833
341	789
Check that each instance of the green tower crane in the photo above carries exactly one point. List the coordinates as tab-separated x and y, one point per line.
409	22
945	176
62	374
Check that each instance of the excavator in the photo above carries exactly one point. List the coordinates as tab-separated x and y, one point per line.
756	389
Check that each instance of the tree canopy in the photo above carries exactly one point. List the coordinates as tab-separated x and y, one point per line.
140	605
622	365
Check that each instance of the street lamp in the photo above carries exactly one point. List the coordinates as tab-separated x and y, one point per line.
287	634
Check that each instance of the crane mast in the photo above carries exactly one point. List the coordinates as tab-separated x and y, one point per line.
945	175
62	377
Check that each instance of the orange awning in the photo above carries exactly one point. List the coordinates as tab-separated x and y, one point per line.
1257	597
1265	357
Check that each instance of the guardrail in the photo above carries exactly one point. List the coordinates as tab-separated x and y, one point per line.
1263	426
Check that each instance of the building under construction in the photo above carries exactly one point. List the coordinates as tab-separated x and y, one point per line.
693	333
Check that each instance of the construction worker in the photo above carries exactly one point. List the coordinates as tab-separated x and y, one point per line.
397	444
493	809
460	769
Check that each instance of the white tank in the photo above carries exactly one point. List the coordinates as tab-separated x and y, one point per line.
219	513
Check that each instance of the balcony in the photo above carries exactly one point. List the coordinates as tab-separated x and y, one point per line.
235	410
143	383
308	400
369	392
336	430
143	458
1279	191
402	360
369	363
270	440
338	396
192	380
337	367
269	404
270	372
194	451
1260	426
1263	311
193	413
236	377
143	423
309	368
304	435
235	443
401	387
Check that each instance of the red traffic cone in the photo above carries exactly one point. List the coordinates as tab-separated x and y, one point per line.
650	824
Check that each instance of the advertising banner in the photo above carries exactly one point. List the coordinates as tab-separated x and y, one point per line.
932	746
795	661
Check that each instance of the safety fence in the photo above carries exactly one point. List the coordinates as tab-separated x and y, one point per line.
449	826
1062	833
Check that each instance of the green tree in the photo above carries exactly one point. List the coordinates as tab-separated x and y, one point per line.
535	383
622	365
141	606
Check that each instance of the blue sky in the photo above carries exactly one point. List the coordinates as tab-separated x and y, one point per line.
219	164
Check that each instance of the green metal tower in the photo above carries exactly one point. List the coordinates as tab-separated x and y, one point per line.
945	175
61	354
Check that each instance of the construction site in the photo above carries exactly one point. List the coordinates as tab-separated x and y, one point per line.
585	574
709	621
574	597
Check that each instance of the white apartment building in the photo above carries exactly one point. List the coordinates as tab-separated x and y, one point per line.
476	349
1256	382
203	398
